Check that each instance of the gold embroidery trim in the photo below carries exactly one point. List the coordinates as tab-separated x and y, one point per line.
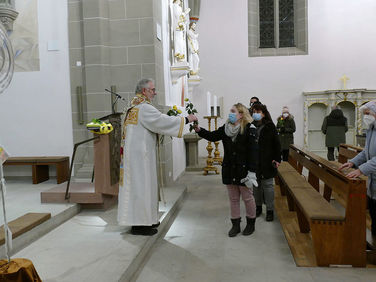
182	123
132	117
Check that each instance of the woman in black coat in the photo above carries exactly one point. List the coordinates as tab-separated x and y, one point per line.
269	160
239	165
286	128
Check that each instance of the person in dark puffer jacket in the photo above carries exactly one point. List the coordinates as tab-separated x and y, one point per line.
269	160
239	165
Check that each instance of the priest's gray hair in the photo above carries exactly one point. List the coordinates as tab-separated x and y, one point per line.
143	83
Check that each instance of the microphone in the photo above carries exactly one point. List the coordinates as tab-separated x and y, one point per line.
116	95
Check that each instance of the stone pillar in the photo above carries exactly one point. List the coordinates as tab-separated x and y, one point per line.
191	144
113	43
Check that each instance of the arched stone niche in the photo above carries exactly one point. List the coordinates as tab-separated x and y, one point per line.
318	104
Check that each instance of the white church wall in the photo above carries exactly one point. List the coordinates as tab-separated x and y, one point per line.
341	39
35	111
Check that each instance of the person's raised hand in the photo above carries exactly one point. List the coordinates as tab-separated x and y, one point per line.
192	118
346	166
197	128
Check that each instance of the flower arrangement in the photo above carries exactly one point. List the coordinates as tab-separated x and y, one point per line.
174	111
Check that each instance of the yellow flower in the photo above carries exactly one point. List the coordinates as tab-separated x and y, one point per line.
179	111
175	107
186	99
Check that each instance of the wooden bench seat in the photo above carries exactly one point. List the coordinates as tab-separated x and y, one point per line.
309	200
337	239
285	166
314	206
40	167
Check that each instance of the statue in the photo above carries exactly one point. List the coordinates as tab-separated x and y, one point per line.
8	14
179	24
193	49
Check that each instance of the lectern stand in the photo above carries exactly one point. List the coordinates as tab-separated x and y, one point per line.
103	192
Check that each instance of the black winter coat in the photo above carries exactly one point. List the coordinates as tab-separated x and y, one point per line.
286	128
269	150
240	156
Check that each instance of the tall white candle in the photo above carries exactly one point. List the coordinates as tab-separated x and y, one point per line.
208	105
215	103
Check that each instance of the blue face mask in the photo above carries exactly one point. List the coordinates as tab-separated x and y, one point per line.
257	116
232	117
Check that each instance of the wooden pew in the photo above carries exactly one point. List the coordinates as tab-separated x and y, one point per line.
40	171
347	152
337	239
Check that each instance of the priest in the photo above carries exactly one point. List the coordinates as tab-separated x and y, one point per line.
138	192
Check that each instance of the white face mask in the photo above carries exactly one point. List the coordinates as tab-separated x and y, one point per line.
285	115
368	120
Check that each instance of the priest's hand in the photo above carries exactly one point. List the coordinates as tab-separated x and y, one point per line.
251	180
197	128
192	118
354	174
346	165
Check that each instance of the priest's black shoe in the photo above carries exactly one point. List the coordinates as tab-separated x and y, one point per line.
269	215
250	228
143	230
156	225
258	211
235	227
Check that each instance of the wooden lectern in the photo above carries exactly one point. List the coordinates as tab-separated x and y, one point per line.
103	192
102	167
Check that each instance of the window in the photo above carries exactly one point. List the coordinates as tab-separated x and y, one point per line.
286	23
266	23
277	27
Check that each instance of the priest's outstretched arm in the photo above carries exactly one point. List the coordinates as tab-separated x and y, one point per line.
155	121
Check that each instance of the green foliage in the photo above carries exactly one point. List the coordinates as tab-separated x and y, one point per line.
189	107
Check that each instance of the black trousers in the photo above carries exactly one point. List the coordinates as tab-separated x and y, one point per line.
372	212
331	153
285	155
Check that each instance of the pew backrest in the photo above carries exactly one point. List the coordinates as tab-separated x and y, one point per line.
321	169
347	152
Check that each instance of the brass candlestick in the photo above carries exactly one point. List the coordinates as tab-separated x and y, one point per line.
209	148
217	155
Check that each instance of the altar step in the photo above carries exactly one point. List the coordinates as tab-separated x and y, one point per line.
32	226
23	224
82	193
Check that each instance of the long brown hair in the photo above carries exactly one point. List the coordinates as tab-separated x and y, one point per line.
246	116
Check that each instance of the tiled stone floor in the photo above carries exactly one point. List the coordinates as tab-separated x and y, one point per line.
197	248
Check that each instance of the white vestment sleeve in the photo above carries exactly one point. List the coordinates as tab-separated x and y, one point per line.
156	122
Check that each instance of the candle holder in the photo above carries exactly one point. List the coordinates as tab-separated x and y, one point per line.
209	160
217	155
